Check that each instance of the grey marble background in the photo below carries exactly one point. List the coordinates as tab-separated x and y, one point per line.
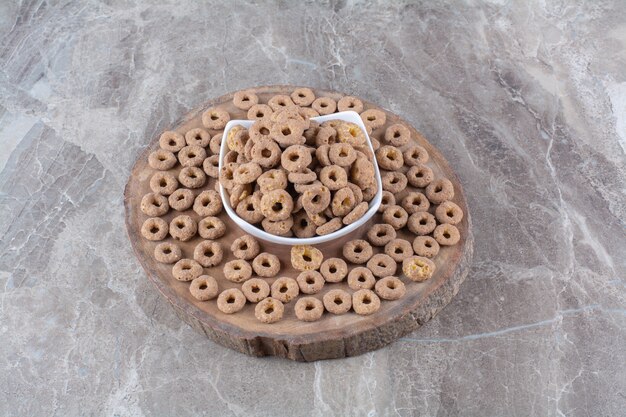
526	100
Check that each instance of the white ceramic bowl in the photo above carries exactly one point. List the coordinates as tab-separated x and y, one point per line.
348	116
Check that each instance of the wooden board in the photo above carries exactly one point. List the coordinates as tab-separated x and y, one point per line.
332	336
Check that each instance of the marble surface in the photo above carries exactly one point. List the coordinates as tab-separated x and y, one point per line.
526	100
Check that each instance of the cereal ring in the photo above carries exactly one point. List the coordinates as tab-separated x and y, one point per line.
418	268
237	138
245	247
321	154
204	288
211	228
309	309
167	253
288	133
215	118
324	105
343	202
255	289
337	301
420	175
421	223
191	156
446	234
342	154
301	188
316	199
237	270
260	130
334	269
249	209
389	158
381	234
269	310
414	202
326	135
231	301
362	174
357	251
285	289
277	205
278	227
274	179
399	249
303	226
356	190
351	134
172	141
156	205
415	155
440	190
227	175
448	212
305	176
238	193
279	101
162	160
296	158
426	246
208	253
265	153
334	123
305	257
192	177
365	302
259	111
181	199
186	270
388	200
247	173
394	181
381	265
374	118
303	96
361	278
266	265
154	228
197	137
390	288
207	203
310	134
216	143
370	191
210	166
350	103
245	99
357	212
231	157
310	282
334	177
396	216
329	227
397	135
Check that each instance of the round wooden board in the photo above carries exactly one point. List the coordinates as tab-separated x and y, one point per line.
332	336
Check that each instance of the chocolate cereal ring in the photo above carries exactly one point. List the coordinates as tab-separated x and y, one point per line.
396	216
277	205
446	234
388	200
172	141
162	160
210	166
374	118
357	251
426	246
197	137
208	253
285	289
231	301
204	288
440	190
420	175
390	288
341	154
245	247
237	270
381	265
399	249
306	257
303	96
334	177
310	282
381	234
414	202
356	190
397	135
365	302
215	118
337	301
334	269
279	101
211	228
207	203
266	153
245	99
303	226
326	135
167	253
415	155
249	209
191	156
288	133
321	154
309	309
421	223
156	205
186	270
394	181
351	133
347	103
231	157
448	212
192	177
181	199
361	278
357	212
260	130
227	175
296	158
154	228
278	227
329	227
389	158
255	289
316	199
324	105
266	265
418	268
216	143
343	202
259	111
269	310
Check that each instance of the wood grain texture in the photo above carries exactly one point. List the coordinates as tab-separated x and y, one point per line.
332	336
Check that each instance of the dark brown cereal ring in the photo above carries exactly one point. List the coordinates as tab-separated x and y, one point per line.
414	202
192	177
186	270
191	156
181	199
337	301
279	101
446	234
237	270
374	118
356	190
343	202
207	203
259	111
448	212
399	249
211	228
334	269
316	199
397	135
426	246
309	309
296	158
362	174
361	278
210	166
351	134
381	234
204	288
440	190
303	96
277	205
162	160
288	133
198	137
215	118
350	103
357	251
418	268
357	212
342	154
154	228
415	155
266	265
388	200
326	135
247	173
389	158
278	227
172	141
390	288
365	302
245	247
334	177
306	257
249	209
305	176
208	253
310	282
245	99
303	226
216	143
163	183
394	181
255	289
231	301
285	289
382	265
274	179
227	175
324	105
396	216
420	175
421	223
329	227
155	204
167	252
269	310
266	153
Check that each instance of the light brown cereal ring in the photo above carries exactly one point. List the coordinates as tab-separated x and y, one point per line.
317	219
249	209
324	105
396	216
381	265
172	141
266	153
279	101
162	160
167	252
156	205
186	270
285	289
163	183
321	154
301	188
334	269
247	173
215	118
260	130
390	288
278	227
356	190
296	158
357	251
414	202
191	156
227	175
337	301
306	257
259	111
208	203
361	278
245	247
389	158
197	137
266	265
216	143
269	310
440	190
154	228
277	205
274	179
210	166
394	181
238	193
374	118
237	139
399	249
421	223
326	135
305	176
181	199
397	135
303	226
192	177
342	154
309	309
334	177
370	191
448	212
255	289
388	200
426	246
362	174
446	234
208	253
231	157
329	227
375	143
357	212
204	288
418	268
420	175
351	134
303	96
245	99
310	282
316	199
237	270
211	228
381	234
288	133
308	113
343	202
334	123
415	155
350	103
365	302
231	301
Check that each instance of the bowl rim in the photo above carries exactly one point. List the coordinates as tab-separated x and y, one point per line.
348	116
